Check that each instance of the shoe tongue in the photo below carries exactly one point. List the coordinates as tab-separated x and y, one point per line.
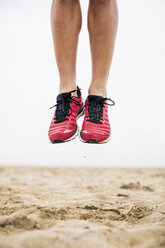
94	98
62	95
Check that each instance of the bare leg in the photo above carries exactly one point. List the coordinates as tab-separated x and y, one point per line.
66	25
102	26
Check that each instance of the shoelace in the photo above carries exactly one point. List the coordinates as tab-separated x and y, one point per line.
63	107
95	109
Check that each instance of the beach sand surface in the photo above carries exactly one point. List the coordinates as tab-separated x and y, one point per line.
82	207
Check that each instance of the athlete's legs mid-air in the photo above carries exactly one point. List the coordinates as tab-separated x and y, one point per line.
66	22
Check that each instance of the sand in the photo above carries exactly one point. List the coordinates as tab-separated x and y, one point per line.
82	208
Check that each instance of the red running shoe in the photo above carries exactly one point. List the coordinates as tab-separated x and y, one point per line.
96	127
64	122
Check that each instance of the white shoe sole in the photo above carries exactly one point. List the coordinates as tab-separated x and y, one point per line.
94	141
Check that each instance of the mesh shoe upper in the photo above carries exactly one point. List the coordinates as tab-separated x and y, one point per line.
63	124
96	123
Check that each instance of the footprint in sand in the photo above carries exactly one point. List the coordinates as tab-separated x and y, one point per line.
136	186
19	221
103	213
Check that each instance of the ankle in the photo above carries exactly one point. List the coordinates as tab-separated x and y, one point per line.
68	87
98	92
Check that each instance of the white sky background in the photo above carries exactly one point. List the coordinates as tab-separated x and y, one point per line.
29	85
